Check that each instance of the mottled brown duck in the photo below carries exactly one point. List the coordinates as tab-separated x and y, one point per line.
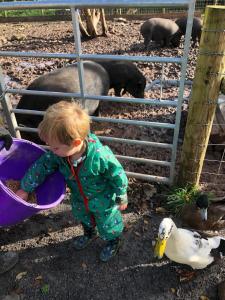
204	214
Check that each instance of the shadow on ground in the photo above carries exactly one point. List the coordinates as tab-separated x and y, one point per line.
50	268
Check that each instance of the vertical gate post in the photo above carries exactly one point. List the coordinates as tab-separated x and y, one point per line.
205	91
7	107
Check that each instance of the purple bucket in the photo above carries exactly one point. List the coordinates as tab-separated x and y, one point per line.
13	165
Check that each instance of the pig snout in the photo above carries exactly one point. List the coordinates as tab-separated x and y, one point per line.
175	40
125	77
137	90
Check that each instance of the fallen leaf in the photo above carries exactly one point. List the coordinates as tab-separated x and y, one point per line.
144	228
185	275
203	297
160	210
146	222
20	275
127	227
39	277
186	278
173	290
149	193
18	291
143	206
38	281
137	233
84	266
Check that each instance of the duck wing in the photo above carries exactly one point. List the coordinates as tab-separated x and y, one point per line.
218	199
216	213
204	243
189	215
190	248
206	250
219	251
217	208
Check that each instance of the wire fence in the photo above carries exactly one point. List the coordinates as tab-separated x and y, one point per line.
200	6
143	125
213	173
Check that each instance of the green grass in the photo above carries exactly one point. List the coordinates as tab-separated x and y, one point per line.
178	197
28	13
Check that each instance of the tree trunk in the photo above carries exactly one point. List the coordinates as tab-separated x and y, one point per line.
83	30
103	21
92	18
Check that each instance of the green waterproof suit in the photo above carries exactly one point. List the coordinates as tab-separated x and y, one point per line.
97	184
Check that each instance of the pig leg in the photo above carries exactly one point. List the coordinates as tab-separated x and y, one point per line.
146	42
147	39
166	42
97	112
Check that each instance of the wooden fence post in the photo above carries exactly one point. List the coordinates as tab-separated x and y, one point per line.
206	85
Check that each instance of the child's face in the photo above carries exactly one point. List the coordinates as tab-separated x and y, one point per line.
63	150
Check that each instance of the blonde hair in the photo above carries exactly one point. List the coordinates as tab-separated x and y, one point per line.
64	122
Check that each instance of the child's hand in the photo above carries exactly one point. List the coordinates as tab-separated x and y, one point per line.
122	206
22	194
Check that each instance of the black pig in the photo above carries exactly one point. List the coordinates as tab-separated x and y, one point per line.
96	81
196	28
162	31
124	75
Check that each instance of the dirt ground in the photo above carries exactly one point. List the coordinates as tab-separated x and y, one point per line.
49	267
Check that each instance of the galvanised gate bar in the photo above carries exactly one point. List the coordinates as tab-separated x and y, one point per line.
75	6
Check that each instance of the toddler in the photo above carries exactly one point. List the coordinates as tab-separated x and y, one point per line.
97	180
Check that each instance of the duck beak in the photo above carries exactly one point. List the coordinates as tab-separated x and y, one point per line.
160	248
204	214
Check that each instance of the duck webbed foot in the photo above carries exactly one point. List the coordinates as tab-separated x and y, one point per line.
185	274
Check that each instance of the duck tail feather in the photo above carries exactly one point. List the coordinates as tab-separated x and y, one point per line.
221	247
218	252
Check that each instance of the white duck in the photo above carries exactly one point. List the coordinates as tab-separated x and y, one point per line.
187	247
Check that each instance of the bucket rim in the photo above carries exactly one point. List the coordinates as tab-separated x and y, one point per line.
20	200
32	205
23	141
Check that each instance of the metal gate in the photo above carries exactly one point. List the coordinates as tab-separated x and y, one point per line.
74	6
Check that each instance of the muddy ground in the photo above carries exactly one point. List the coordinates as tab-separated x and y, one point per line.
49	268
